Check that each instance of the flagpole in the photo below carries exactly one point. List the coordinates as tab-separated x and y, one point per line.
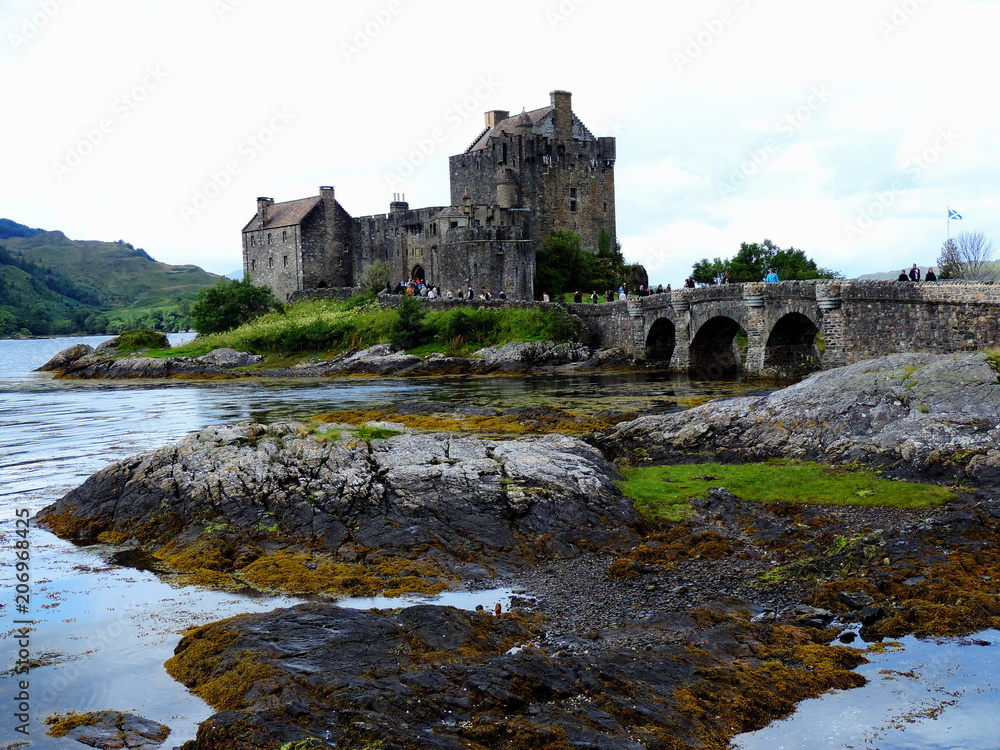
949	223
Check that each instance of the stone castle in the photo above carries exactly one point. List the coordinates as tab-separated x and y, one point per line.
522	178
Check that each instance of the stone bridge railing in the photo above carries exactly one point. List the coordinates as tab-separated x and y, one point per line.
793	327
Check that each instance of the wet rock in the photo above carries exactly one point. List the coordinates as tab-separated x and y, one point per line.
855	599
110	730
870	615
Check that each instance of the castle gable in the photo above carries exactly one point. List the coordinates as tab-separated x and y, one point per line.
288	214
542	123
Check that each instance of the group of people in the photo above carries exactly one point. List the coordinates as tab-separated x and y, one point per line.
420	288
914	274
610	295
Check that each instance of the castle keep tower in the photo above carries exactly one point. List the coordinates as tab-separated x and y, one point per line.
547	159
523	178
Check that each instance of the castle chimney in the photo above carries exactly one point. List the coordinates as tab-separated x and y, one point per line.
562	102
398	204
326	193
262	205
496	116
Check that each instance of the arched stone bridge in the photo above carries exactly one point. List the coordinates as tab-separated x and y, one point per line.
796	327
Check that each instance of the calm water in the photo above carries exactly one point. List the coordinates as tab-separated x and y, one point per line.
103	631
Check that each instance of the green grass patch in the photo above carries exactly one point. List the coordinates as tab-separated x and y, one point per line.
328	326
369	433
663	492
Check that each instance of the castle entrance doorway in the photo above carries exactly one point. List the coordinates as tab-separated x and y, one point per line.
418	273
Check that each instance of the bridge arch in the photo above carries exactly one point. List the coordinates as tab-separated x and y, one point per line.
791	349
661	341
714	352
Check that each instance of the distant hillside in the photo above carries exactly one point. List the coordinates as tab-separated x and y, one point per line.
52	284
10	228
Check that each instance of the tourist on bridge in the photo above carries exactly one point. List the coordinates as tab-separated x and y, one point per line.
771	275
930	275
902	276
914	273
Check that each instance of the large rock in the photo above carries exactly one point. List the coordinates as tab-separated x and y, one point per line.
456	500
530	355
230	358
915	415
67	357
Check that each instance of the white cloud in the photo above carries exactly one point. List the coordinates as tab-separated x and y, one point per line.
394	87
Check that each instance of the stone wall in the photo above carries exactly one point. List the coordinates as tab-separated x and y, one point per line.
856	319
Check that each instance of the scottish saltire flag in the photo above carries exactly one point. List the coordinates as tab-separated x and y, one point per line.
953	214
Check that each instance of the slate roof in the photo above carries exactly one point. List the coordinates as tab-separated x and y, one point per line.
287	214
541	124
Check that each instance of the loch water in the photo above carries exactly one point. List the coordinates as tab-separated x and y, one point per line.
101	629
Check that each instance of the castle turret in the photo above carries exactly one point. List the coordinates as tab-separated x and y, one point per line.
506	188
562	102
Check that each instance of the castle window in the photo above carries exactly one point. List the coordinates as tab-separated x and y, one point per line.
253	241
572	192
284	236
284	259
253	265
270	262
268	238
386	234
572	206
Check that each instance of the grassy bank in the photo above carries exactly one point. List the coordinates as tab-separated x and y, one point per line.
326	326
663	492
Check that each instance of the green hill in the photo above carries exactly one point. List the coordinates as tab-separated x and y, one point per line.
52	284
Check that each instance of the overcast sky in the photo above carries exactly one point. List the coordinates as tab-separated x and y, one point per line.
841	127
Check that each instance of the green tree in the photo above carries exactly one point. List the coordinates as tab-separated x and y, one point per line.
559	264
754	259
376	278
408	329
229	304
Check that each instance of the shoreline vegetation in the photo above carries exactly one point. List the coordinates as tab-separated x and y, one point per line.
315	327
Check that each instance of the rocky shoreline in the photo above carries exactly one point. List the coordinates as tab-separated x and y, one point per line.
624	634
106	362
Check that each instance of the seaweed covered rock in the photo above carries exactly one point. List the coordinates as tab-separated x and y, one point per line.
323	502
437	677
913	415
109	730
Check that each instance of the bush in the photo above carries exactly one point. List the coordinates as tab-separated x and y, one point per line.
230	304
130	341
